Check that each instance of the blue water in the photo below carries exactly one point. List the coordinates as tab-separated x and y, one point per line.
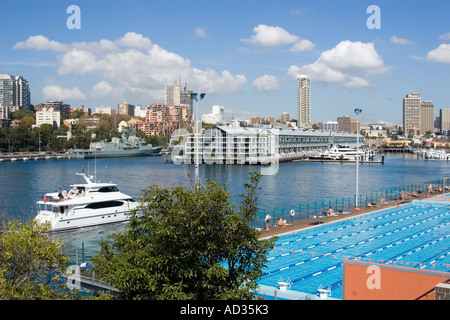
23	183
415	235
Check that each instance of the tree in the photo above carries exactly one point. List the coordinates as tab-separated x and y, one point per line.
29	262
187	244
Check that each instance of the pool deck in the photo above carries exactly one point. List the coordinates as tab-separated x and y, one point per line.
311	222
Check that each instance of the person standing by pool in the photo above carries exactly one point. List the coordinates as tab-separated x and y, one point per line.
267	220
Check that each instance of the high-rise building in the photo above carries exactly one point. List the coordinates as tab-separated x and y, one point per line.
411	114
444	115
303	101
14	92
126	108
426	117
173	94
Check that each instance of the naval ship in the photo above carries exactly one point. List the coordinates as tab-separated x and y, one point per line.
125	146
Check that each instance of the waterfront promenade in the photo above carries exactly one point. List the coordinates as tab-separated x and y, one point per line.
27	156
310	222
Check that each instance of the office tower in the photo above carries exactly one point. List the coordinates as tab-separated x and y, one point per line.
444	115
426	117
343	124
411	114
173	94
14	92
303	101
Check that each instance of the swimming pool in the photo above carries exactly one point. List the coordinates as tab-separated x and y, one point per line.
416	235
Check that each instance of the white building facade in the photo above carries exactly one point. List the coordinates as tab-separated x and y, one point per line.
48	116
217	116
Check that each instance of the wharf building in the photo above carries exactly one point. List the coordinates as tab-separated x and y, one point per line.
241	145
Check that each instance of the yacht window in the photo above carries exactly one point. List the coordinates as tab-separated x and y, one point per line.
105	204
108	189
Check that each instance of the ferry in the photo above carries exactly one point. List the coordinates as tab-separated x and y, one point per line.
86	204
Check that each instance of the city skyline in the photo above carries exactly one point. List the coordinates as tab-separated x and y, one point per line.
247	63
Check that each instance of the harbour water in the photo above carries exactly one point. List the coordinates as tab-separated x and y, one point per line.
23	183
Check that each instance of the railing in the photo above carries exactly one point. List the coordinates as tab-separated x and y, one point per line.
425	296
343	204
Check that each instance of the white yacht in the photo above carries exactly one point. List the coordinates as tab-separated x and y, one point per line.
86	204
342	153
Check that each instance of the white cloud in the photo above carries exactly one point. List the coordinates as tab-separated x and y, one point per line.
54	92
133	65
397	40
319	72
102	89
445	36
101	46
347	64
134	40
41	43
302	45
200	32
266	83
356	82
440	54
270	37
77	61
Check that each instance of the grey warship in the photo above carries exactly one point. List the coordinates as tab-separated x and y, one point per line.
124	146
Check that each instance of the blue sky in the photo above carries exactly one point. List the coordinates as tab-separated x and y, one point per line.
244	54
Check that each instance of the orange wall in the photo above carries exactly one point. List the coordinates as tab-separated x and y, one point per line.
395	282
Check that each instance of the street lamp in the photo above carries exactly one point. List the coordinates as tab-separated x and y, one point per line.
357	111
195	96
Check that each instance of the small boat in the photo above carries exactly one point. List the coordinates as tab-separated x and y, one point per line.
86	204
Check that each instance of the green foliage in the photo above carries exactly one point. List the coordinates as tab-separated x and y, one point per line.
187	244
30	262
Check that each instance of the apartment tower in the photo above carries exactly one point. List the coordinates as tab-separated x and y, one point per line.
303	101
14	92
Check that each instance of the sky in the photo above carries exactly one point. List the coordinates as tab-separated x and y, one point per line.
245	55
